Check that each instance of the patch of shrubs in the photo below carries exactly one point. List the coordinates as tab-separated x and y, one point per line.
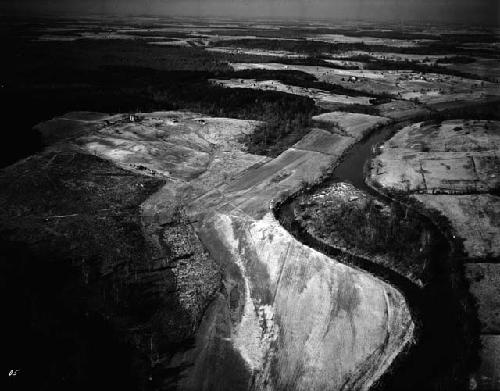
402	235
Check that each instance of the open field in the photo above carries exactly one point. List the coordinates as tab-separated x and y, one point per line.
261	263
450	157
340	38
352	124
458	158
484	68
146	224
403	84
474	218
97	43
257	52
322	98
173	145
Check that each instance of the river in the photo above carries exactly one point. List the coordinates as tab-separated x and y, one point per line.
440	357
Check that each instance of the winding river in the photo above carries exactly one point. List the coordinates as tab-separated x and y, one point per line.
439	359
290	317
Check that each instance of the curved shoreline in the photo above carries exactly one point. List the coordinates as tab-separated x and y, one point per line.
409	289
415	296
243	230
292	317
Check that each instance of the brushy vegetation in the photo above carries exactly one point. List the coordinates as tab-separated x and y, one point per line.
71	238
408	243
398	234
279	132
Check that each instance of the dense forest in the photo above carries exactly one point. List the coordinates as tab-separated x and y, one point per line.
317	48
398	233
49	79
46	80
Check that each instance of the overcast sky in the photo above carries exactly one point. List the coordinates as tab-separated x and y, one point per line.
468	11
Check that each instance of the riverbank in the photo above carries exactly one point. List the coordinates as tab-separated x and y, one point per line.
237	297
446	282
461	202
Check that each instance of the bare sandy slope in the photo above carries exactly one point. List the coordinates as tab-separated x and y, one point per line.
295	318
313	323
309	322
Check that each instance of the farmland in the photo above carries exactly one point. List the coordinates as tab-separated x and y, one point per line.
219	204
